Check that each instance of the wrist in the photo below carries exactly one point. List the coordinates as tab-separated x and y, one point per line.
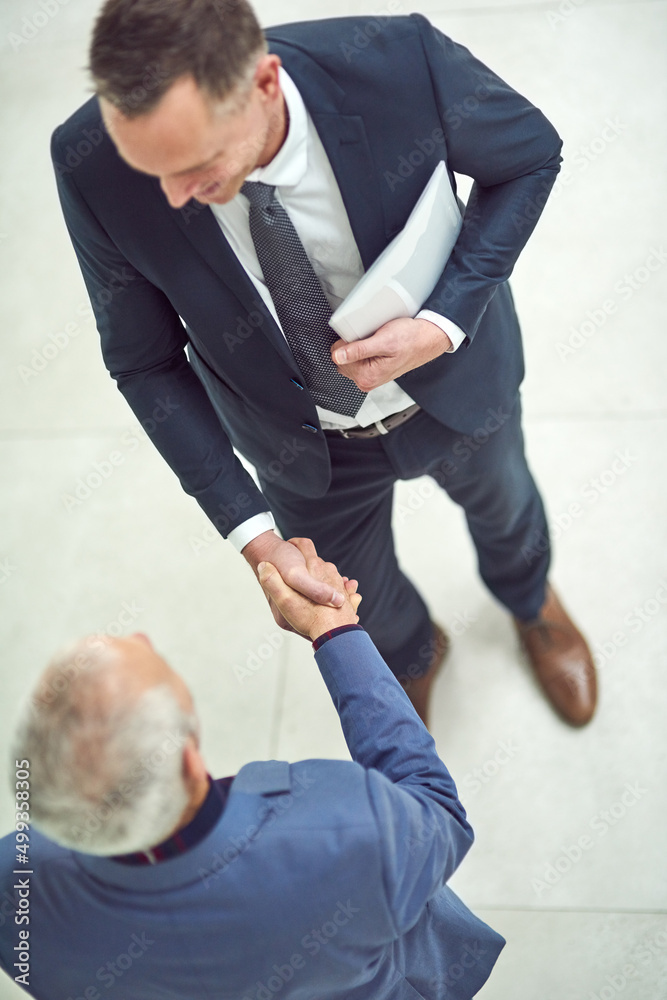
332	633
328	622
259	548
437	335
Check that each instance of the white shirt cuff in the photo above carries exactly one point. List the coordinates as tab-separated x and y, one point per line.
254	526
455	334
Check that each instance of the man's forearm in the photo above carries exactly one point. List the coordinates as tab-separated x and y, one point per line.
381	728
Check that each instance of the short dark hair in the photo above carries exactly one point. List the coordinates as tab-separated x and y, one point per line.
140	48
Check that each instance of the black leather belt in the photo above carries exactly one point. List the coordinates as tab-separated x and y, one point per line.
381	427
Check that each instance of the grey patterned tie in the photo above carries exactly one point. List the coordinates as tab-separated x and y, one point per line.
302	307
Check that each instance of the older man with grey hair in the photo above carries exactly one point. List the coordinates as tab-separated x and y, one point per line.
110	733
318	878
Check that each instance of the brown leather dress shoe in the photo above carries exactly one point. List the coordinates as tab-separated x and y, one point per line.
562	661
418	689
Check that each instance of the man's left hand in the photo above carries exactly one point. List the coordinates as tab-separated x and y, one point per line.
396	348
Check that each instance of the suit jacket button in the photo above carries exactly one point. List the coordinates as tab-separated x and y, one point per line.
309	427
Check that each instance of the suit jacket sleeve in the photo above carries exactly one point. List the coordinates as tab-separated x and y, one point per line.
143	345
422	828
511	151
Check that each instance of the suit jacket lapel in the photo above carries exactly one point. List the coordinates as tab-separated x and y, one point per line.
346	143
200	226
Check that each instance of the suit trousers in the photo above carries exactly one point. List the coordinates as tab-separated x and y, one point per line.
486	473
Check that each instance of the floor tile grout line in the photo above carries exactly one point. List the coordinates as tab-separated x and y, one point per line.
82	433
63	433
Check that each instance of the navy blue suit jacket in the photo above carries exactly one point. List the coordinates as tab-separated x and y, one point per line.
162	280
321	879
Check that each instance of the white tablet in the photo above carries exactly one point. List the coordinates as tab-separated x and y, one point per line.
406	272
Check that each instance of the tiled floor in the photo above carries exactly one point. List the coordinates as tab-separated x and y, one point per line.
581	924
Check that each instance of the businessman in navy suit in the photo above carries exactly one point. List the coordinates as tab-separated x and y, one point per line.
337	126
316	879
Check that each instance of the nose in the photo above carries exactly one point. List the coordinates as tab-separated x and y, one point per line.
177	190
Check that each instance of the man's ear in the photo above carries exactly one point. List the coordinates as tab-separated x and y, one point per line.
266	75
194	768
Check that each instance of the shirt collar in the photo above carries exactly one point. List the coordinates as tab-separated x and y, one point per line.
206	818
288	167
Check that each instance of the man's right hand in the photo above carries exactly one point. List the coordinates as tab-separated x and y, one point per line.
290	561
303	615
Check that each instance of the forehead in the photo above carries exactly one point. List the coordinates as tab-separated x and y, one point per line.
143	667
182	132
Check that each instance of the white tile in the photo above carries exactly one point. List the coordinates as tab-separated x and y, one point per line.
578	956
53	354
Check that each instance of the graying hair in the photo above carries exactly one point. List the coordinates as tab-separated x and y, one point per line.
139	49
106	772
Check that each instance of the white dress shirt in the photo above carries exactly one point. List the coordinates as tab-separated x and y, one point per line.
307	188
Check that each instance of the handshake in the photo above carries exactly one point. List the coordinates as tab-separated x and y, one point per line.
299	613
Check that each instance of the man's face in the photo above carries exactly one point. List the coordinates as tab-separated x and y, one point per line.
195	149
